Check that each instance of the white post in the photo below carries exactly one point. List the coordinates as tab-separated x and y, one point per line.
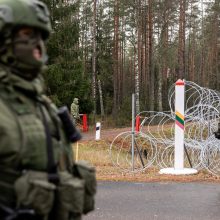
179	124
179	133
98	130
133	134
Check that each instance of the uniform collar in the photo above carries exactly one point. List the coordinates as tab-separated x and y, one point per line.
34	87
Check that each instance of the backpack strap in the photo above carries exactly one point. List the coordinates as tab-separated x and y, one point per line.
66	158
51	165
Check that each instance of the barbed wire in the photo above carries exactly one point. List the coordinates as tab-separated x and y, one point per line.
154	144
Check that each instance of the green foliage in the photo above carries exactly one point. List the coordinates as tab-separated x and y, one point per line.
64	77
124	115
70	50
104	58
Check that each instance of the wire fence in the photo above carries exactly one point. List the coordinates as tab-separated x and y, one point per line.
154	144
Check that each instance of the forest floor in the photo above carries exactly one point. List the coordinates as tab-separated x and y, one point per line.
97	153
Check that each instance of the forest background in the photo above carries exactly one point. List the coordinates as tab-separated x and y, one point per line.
102	51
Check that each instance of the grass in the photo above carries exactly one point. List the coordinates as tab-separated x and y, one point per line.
97	153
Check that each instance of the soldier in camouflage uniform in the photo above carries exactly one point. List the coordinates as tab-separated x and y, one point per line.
75	110
38	179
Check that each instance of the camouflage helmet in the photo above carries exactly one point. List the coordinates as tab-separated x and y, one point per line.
19	13
75	100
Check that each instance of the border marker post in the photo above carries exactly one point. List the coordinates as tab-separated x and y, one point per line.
179	124
137	127
85	123
98	131
179	134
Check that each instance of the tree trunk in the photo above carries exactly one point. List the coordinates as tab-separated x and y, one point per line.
101	99
150	62
115	57
218	51
137	57
94	58
181	48
146	56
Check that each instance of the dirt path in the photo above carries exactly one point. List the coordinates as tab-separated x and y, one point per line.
105	134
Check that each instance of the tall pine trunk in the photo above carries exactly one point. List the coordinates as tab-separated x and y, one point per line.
94	58
101	99
150	62
181	47
116	57
137	57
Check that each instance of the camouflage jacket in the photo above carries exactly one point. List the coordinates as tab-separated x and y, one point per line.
23	142
74	110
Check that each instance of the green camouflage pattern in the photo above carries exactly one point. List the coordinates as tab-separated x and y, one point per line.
74	108
23	146
18	13
22	134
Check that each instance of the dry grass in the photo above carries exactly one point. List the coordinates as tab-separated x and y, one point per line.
97	153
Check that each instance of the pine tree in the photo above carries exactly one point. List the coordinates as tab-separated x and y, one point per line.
64	77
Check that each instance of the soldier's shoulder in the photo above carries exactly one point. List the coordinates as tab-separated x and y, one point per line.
49	102
46	99
4	109
2	72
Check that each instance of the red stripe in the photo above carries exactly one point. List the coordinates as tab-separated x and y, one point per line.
180	125
180	83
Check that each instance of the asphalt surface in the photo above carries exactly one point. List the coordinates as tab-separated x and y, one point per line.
156	201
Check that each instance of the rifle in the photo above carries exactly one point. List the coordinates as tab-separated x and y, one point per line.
71	131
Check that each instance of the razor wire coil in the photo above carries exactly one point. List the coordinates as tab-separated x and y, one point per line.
154	144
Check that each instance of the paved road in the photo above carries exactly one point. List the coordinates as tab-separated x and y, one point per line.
156	201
